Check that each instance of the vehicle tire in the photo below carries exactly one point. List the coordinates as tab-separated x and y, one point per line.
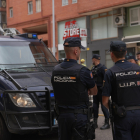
4	133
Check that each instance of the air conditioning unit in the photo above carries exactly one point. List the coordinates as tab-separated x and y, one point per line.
119	20
119	17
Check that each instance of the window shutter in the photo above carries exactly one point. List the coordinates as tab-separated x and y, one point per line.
134	15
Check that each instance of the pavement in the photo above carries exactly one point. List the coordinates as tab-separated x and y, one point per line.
100	134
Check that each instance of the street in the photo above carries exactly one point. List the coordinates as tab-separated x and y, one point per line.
34	137
100	134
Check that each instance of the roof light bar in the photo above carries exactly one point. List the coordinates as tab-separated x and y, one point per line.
29	35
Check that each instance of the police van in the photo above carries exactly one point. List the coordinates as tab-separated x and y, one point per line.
26	94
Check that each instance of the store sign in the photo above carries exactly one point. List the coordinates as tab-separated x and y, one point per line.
83	32
72	30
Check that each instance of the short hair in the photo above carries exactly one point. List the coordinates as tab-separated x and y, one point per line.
119	54
138	53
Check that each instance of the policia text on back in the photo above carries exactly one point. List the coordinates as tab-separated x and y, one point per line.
70	84
122	83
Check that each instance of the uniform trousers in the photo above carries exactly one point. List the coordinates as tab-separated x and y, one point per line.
96	100
66	124
128	128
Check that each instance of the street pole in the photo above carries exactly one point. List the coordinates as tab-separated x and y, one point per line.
53	22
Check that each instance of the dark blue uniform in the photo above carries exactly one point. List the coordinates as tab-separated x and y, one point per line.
126	128
98	98
67	121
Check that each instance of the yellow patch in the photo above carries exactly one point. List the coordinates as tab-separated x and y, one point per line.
105	70
122	61
68	60
138	73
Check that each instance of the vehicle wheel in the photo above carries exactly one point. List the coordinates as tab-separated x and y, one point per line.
4	133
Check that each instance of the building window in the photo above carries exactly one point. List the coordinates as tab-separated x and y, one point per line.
74	1
135	16
102	26
38	5
64	2
30	7
11	12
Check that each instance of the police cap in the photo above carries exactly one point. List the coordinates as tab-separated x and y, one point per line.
96	56
73	42
132	57
118	46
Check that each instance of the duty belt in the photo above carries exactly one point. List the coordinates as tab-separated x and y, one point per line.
133	108
75	111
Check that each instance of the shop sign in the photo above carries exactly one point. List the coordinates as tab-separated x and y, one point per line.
72	30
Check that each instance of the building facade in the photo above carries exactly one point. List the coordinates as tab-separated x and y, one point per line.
96	22
34	16
3	20
131	33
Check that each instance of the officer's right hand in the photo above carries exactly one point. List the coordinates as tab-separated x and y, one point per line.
93	91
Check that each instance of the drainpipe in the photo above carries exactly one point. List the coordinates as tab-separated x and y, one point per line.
53	22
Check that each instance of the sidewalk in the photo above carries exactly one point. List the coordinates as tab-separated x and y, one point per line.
102	134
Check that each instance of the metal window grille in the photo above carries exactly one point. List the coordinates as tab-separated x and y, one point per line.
30	7
11	12
64	2
74	1
38	5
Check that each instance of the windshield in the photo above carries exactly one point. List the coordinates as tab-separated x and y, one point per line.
23	54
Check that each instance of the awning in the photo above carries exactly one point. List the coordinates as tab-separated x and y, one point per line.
131	39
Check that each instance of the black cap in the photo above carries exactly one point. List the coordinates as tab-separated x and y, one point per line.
118	46
73	42
132	57
96	56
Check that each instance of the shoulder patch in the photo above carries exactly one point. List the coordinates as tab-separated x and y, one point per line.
105	70
91	75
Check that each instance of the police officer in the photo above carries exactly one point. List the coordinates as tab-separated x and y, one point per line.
122	83
82	62
132	59
72	83
98	72
138	58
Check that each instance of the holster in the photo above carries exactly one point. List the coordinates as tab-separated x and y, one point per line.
90	131
89	128
120	111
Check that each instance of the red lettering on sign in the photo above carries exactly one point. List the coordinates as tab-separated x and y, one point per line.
71	33
72	30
